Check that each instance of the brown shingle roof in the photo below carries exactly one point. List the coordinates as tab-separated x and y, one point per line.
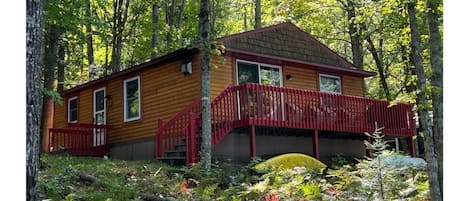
285	40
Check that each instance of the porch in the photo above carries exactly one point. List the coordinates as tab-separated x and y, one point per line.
80	139
254	105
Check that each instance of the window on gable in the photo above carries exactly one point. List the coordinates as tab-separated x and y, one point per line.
329	83
72	110
132	99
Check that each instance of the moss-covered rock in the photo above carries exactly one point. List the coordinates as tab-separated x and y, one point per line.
289	161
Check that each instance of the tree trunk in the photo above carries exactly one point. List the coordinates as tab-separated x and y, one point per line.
355	36
121	12
436	60
92	71
61	67
181	14
34	22
204	34
154	36
379	66
50	63
432	165
258	23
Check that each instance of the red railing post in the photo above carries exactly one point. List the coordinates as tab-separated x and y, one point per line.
410	145
158	143
192	138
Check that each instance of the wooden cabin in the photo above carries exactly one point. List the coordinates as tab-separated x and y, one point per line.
273	90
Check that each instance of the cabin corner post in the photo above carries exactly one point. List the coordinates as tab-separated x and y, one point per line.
252	140
158	142
316	144
410	145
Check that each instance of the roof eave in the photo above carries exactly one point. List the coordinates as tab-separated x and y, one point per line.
349	70
166	58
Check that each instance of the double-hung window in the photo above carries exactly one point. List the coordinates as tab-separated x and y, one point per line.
132	99
73	110
330	84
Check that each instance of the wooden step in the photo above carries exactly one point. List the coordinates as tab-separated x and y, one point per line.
173	160
176	153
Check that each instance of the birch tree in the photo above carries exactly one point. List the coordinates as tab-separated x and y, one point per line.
436	61
423	107
204	35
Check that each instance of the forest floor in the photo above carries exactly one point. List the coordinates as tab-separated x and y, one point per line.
63	177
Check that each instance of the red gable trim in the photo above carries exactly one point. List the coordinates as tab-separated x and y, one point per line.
351	70
152	63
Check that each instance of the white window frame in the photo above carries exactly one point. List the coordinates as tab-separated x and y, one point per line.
259	77
94	103
125	99
259	70
330	76
68	109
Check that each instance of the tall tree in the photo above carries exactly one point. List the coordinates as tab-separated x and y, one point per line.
423	107
119	20
204	35
354	32
52	35
92	70
34	23
379	65
436	61
258	13
61	67
154	36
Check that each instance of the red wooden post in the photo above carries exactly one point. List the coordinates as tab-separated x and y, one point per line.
192	137
316	144
367	151
158	143
410	145
50	140
252	140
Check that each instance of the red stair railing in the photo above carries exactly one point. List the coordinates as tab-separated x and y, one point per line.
172	132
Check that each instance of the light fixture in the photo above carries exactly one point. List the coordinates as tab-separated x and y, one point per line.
289	77
186	67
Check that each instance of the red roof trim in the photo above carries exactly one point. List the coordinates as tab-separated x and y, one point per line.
351	70
166	58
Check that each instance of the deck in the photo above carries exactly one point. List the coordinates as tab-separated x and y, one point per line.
261	105
80	139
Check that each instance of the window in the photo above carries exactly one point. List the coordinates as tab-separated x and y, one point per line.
73	110
249	72
132	99
329	83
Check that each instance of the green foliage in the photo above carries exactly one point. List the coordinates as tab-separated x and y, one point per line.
52	94
387	176
338	161
131	180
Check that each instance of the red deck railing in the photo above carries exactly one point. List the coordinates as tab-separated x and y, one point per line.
80	139
262	105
